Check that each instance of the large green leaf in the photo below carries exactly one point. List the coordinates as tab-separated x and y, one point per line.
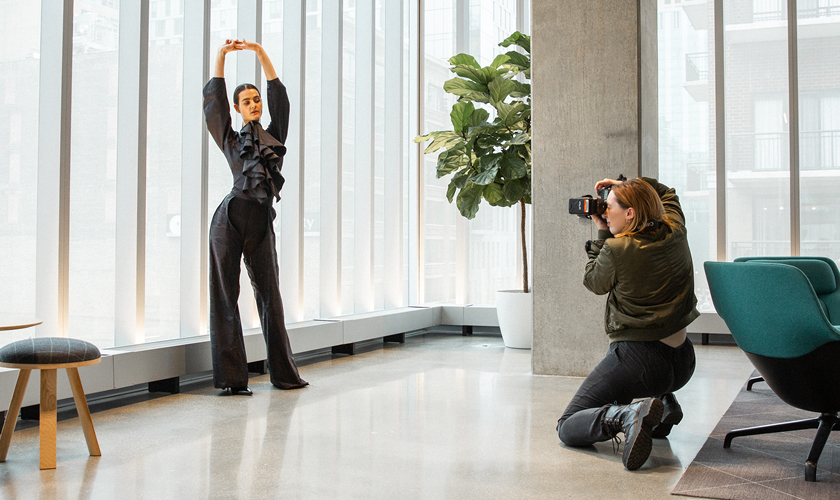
478	117
488	141
461	86
493	194
500	87
499	60
488	74
489	170
464	59
451	160
514	189
443	139
512	167
517	59
469	72
511	113
520	89
451	190
460	115
519	39
468	200
518	168
424	138
475	96
460	179
490	160
520	138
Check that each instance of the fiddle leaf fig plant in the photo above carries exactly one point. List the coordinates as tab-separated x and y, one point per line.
488	159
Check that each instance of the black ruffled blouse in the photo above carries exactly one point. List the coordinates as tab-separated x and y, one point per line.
255	155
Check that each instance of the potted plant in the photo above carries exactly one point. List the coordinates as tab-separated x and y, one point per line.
491	159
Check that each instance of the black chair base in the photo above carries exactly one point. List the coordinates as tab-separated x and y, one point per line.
753	381
824	424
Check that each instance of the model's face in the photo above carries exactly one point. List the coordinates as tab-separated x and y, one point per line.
250	105
617	216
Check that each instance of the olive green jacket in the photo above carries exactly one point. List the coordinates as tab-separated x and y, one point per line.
649	277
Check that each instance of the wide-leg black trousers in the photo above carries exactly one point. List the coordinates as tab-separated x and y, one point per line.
629	371
242	227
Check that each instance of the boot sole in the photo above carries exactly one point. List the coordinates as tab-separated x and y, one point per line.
637	451
669	420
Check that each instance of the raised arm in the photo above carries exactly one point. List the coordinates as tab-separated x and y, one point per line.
228	46
265	62
216	106
277	98
669	198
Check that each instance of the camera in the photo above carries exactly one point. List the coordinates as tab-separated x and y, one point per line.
587	205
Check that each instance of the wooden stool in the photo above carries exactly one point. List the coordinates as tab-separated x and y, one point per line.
48	354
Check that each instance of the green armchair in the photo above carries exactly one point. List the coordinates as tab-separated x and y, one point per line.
775	315
819	271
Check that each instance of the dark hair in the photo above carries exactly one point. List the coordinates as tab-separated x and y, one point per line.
240	88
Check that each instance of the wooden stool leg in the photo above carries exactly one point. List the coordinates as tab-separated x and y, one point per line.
12	414
84	412
48	418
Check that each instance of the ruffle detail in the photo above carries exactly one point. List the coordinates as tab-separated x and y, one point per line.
261	165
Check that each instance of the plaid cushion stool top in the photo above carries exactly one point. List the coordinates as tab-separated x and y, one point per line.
48	354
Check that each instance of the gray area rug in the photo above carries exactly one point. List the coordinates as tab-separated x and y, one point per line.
766	467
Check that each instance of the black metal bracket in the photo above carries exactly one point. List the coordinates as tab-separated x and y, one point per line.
466	330
398	337
349	349
30	412
257	367
170	385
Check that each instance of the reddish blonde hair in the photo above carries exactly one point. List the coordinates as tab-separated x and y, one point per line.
639	195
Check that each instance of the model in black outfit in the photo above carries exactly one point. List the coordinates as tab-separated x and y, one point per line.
243	225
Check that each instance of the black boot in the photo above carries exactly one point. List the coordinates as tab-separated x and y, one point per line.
636	421
671	416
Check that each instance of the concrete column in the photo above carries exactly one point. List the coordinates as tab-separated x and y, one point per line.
594	116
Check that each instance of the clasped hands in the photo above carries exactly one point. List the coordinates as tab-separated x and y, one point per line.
233	45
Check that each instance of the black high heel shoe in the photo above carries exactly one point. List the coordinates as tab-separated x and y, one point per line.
240	391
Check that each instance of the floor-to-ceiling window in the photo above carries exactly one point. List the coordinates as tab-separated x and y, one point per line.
759	181
163	169
142	188
464	261
19	111
93	171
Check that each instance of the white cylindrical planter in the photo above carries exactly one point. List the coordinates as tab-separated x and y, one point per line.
515	310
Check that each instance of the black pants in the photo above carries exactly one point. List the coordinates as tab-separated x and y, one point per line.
244	227
630	370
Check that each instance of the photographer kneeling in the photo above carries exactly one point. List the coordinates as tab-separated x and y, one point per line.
641	258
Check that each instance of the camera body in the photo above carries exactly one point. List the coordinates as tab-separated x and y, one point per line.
586	205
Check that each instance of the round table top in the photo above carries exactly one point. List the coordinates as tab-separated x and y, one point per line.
17	322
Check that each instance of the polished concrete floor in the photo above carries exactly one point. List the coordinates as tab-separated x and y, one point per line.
441	416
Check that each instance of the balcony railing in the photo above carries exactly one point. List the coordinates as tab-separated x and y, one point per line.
754	11
697	67
761	248
819	150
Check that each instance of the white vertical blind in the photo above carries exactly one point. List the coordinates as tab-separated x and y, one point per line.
194	151
291	204
363	186
394	137
132	109
385	57
331	142
52	247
